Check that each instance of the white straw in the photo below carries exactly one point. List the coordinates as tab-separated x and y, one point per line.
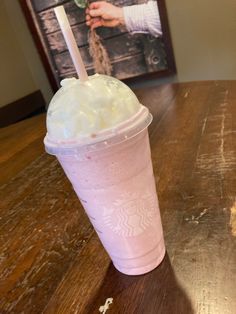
71	43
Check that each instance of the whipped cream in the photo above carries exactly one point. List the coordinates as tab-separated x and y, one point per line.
81	109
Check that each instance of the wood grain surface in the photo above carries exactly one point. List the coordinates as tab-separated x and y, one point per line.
122	67
51	261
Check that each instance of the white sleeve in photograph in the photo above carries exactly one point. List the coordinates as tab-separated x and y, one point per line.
143	18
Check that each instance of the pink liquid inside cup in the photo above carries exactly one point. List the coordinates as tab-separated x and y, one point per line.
117	189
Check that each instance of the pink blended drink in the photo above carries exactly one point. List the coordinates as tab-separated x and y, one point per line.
111	171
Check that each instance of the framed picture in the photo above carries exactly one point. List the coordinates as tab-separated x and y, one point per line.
131	56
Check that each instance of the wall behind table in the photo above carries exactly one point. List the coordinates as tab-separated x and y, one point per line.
204	38
21	71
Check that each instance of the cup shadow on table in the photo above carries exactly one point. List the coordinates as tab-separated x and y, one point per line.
155	292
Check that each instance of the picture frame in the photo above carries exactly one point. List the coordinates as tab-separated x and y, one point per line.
134	57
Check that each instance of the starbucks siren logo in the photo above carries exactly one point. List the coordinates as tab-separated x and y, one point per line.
131	214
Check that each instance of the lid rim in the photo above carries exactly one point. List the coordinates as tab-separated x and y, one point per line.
129	129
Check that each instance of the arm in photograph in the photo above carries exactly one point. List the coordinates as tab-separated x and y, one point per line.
143	18
140	18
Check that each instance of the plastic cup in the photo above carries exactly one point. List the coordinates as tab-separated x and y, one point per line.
113	177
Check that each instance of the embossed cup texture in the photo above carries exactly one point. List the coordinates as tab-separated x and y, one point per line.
117	189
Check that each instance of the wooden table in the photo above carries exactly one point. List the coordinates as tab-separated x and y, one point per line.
51	260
